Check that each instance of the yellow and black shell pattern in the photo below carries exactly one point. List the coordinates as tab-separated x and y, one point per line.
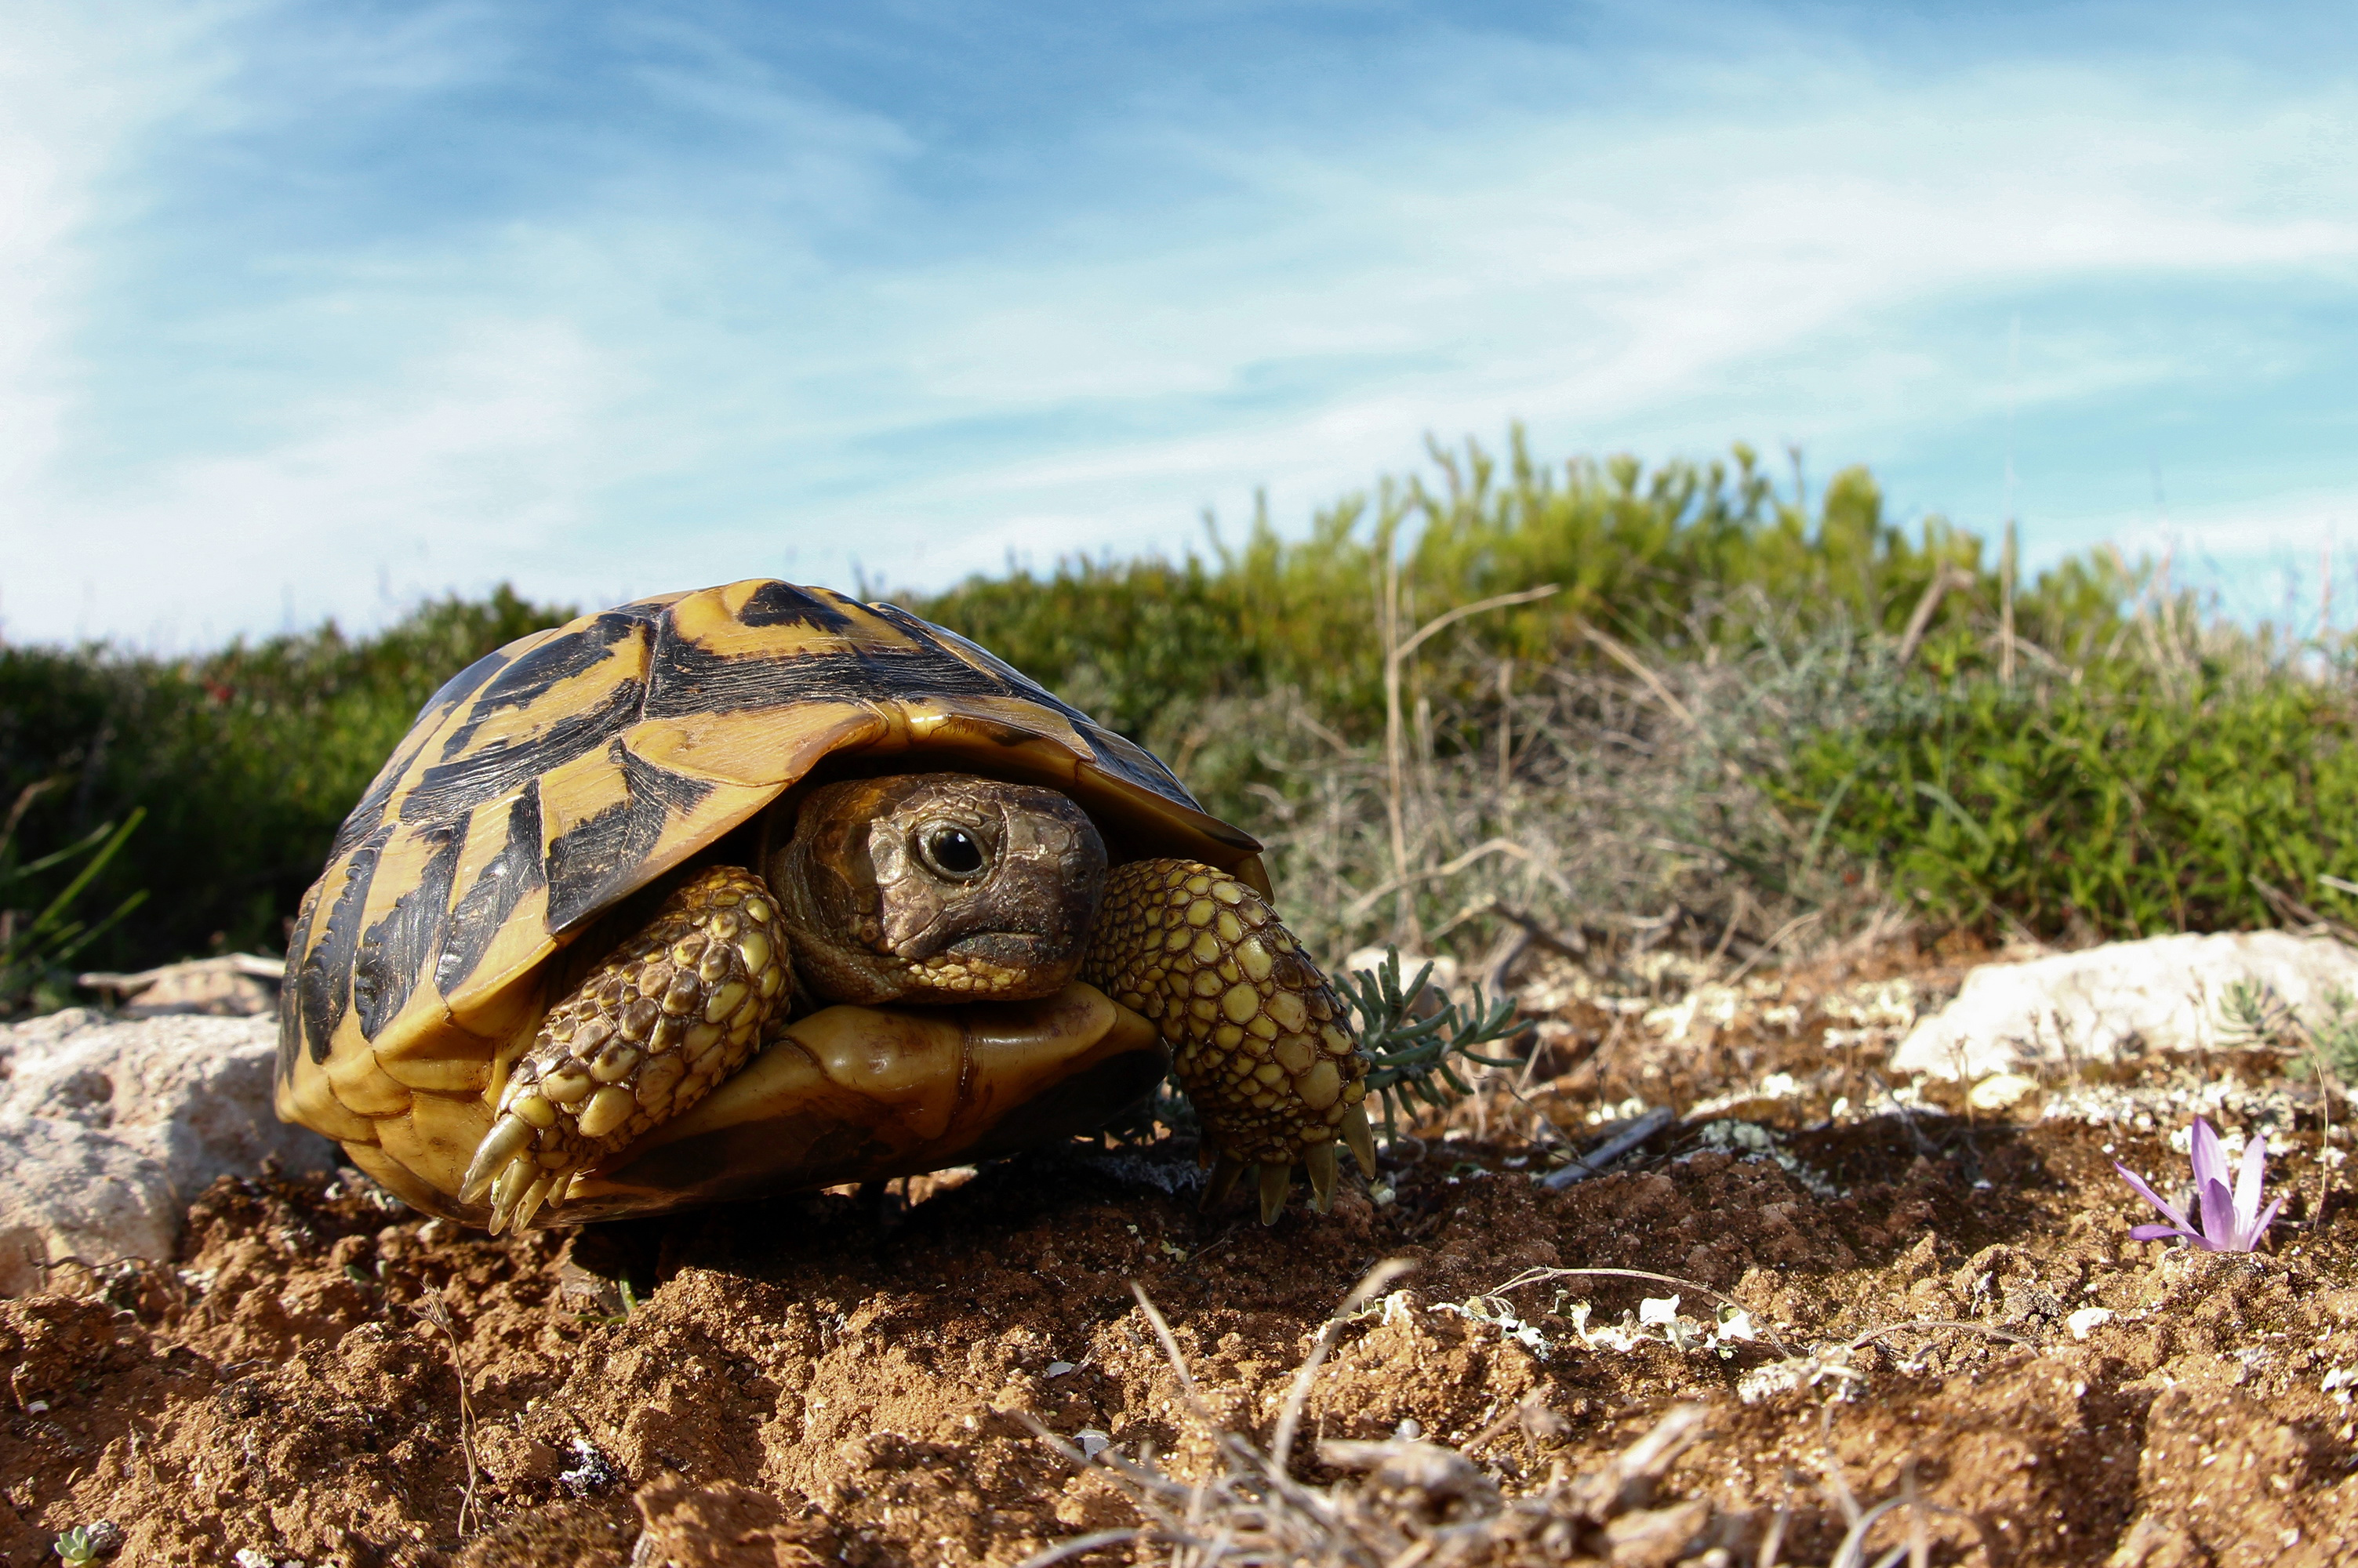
556	777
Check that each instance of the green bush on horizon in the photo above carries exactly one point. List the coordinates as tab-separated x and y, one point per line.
1669	559
2119	806
245	759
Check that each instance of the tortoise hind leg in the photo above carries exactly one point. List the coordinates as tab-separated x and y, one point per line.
1259	1041
666	1015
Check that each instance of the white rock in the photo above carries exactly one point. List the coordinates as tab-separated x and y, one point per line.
2087	1320
2117	1001
2001	1090
234	985
185	1098
74	1192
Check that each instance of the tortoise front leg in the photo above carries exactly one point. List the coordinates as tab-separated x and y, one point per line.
645	1035
1262	1043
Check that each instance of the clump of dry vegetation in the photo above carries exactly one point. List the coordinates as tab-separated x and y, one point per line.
1406	1502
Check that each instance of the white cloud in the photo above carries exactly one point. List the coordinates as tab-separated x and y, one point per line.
80	84
702	364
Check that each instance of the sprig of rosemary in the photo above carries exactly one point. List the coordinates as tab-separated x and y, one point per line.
1406	1049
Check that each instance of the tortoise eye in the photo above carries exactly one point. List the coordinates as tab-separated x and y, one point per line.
951	852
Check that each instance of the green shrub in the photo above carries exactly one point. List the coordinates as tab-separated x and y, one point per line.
41	933
245	762
1795	733
1672	559
2117	806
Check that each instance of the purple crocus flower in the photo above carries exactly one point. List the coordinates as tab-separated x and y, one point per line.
2232	1222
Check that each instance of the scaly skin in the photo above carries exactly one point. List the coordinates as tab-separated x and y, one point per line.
1262	1043
643	1036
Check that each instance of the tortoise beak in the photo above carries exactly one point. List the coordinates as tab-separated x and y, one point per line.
858	1094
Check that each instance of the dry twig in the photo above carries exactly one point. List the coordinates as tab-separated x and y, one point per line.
432	1309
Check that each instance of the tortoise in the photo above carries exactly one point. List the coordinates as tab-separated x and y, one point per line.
760	888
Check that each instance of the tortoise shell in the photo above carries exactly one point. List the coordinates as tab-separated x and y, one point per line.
551	780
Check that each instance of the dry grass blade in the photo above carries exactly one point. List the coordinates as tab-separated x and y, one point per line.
1397	650
1081	1545
1171	1349
1917	1548
1637	667
1370	1286
432	1309
1408	1503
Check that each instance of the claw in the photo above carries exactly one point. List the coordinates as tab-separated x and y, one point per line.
509	1190
1320	1160
507	1139
1362	1140
1275	1177
537	1193
1222	1180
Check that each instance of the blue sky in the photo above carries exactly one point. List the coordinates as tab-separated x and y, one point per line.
310	310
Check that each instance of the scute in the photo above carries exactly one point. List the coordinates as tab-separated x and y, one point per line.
552	779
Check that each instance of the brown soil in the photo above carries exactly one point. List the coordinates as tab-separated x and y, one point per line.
833	1378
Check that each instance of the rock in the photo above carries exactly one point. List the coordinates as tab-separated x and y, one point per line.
236	985
2120	999
73	1192
112	1124
2001	1090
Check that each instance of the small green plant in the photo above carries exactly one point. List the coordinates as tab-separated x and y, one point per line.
630	1298
36	945
88	1542
1411	1043
2335	1034
2252	1013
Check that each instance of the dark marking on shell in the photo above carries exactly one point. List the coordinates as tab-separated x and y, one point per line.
491	772
1115	754
486	904
1012	681
326	974
369	816
462	686
395	951
560	659
783	604
686	678
290	1016
598	859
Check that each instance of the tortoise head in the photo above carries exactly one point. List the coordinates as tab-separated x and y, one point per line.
939	888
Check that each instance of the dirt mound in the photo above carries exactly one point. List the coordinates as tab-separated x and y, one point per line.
834	1378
